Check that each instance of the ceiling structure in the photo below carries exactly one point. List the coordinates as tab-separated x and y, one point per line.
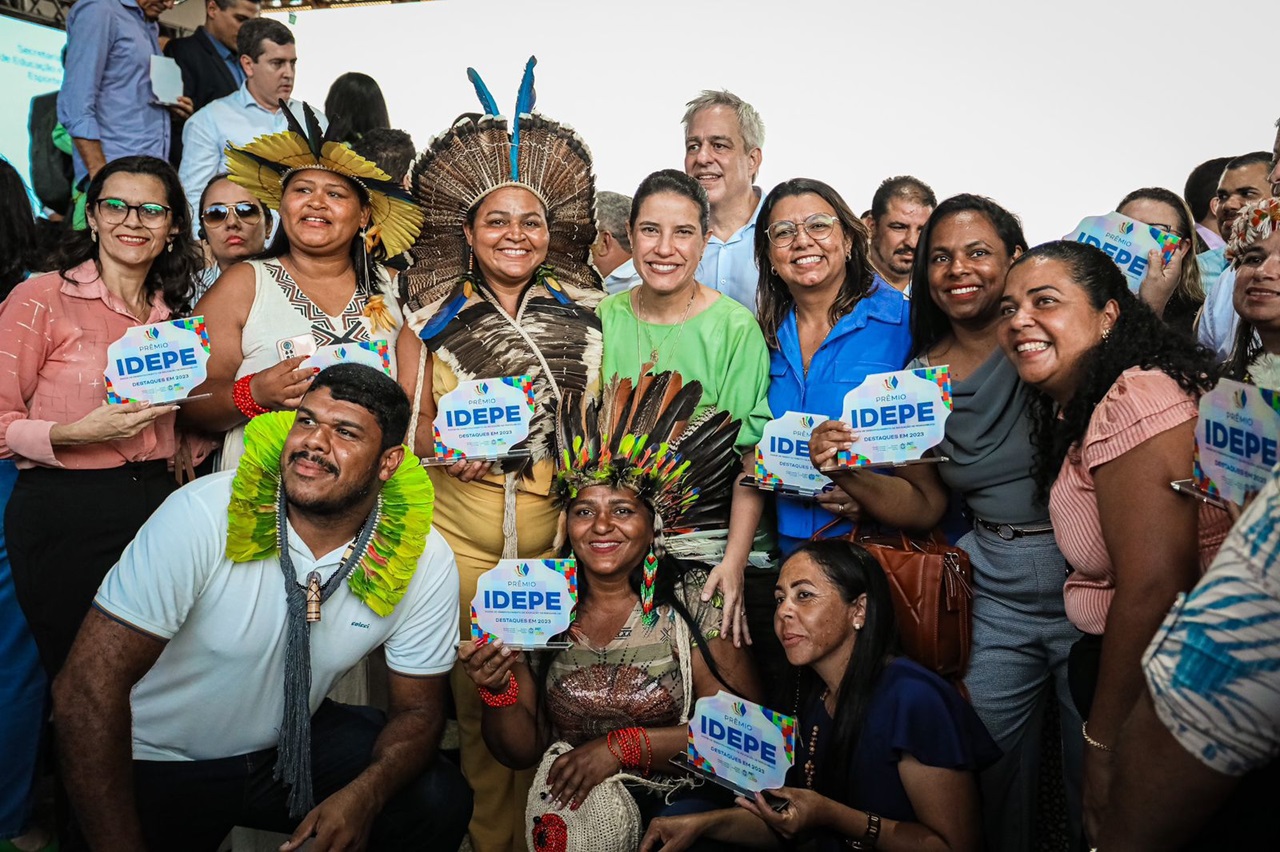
182	18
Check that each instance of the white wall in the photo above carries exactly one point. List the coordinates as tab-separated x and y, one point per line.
1055	111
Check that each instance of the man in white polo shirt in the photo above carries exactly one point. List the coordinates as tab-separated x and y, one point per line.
229	645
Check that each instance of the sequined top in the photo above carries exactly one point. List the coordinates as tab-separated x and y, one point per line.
634	680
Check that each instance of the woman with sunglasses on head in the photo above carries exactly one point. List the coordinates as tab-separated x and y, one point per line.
320	282
90	472
233	224
1171	289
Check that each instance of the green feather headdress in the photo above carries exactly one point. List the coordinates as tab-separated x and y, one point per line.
384	571
642	437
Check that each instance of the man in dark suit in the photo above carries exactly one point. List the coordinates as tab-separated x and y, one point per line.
208	59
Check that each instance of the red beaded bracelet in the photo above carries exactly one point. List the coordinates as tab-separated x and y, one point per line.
648	753
506	697
242	396
628	741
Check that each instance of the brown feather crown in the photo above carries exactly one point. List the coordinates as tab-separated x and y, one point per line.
480	154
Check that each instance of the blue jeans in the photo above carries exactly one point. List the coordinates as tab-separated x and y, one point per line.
191	805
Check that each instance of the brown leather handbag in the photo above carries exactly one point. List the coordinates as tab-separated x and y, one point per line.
931	583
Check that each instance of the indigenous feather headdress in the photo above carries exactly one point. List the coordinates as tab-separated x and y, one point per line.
642	438
1254	223
263	166
478	155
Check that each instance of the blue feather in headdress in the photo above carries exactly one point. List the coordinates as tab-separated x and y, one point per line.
446	313
524	106
482	92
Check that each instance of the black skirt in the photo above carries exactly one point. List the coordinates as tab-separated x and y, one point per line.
65	529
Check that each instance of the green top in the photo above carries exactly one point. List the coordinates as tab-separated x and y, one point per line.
722	347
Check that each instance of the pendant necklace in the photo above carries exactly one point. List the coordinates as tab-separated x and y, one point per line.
315	591
678	329
811	748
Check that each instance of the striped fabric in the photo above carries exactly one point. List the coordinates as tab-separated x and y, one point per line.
1140	405
1213	668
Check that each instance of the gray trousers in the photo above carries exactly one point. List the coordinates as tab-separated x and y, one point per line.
1021	639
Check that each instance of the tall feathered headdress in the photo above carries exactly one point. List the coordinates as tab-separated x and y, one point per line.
264	164
641	437
477	155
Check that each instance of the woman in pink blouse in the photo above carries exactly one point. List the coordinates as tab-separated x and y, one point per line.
1113	424
90	473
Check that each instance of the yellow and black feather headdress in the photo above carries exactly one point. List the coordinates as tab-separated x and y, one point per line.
263	166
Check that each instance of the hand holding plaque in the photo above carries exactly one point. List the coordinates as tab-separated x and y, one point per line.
525	602
1236	444
739	745
782	457
159	363
896	418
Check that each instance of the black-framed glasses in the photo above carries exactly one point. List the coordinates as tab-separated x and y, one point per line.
819	227
245	211
113	211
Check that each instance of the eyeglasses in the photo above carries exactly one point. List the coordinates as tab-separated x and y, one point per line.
113	211
245	211
819	227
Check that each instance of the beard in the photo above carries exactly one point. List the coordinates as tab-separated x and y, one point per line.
331	502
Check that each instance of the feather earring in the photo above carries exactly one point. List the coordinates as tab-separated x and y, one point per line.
648	615
364	262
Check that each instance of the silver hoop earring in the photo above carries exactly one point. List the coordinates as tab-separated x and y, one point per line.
93	234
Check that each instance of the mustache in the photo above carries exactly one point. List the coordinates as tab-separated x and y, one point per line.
315	460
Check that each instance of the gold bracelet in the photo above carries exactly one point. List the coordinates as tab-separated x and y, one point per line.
1084	729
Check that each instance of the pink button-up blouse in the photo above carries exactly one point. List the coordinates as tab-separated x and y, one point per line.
54	336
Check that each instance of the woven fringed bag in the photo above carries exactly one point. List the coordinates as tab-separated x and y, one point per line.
609	819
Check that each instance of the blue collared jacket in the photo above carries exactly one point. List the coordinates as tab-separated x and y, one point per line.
874	337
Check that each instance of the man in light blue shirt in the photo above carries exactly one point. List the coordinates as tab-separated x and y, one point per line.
722	151
269	58
899	210
106	102
1245	179
611	252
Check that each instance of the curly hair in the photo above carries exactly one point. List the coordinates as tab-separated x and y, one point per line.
1139	338
174	270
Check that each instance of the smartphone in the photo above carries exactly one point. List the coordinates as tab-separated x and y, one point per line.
292	347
